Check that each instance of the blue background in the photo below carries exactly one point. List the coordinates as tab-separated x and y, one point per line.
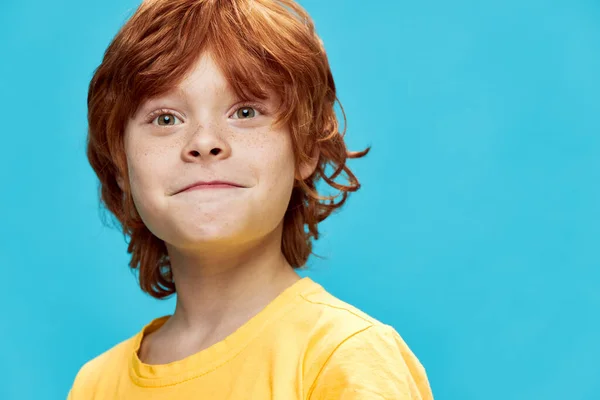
476	233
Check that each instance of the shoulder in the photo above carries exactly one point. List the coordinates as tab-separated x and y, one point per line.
328	309
372	362
112	361
356	356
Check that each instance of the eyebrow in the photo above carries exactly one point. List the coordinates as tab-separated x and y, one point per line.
174	94
180	94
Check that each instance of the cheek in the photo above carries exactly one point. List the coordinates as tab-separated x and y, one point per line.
145	162
275	164
145	167
138	172
270	154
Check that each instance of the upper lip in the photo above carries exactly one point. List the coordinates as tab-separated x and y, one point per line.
200	183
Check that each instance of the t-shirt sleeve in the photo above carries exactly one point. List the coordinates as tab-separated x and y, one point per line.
374	363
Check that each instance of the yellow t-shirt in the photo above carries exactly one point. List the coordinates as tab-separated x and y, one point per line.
305	344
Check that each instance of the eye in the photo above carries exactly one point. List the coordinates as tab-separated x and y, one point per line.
163	118
248	111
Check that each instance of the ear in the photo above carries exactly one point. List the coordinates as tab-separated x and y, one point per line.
120	183
306	169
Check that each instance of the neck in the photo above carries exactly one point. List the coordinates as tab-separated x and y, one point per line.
217	289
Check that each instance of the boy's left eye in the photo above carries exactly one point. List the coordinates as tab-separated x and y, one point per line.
246	112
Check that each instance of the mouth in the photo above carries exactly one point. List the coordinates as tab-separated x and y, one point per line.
213	185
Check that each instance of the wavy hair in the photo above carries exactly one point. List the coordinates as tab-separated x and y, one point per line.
257	44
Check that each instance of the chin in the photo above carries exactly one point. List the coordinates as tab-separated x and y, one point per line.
208	233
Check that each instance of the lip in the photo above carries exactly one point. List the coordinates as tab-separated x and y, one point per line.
201	185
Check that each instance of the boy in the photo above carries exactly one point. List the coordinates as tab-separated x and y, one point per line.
210	122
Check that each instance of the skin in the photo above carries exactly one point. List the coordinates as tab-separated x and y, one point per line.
224	244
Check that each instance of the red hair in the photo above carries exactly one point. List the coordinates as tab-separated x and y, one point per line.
257	44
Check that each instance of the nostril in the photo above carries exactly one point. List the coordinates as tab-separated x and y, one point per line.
215	151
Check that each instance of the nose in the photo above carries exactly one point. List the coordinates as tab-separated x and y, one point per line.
205	144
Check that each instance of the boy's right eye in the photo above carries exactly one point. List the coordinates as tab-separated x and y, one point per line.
163	118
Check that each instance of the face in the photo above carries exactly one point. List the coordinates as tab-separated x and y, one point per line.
201	132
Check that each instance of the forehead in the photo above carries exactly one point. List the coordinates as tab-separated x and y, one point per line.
205	83
204	76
